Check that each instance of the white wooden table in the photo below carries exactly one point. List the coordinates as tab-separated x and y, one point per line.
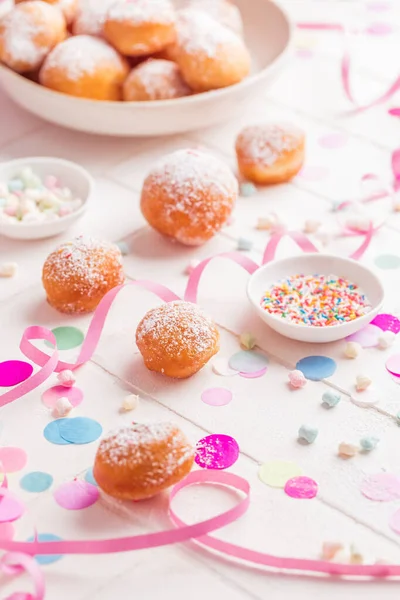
264	415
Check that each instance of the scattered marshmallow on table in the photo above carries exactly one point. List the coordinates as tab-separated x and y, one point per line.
331	398
352	349
346	450
63	407
247	340
308	433
66	378
8	269
297	379
386	339
362	382
130	403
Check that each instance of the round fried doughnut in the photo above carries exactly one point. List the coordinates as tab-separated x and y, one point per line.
68	7
27	34
87	67
210	55
78	274
222	11
91	16
140	461
177	339
270	153
155	79
189	195
141	27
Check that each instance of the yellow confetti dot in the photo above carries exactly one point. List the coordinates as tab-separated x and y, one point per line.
276	473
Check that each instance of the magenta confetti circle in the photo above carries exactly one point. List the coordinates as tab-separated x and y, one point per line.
382	487
367	337
13	372
387	322
333	140
216	451
76	495
394	521
301	487
255	375
216	396
50	396
393	365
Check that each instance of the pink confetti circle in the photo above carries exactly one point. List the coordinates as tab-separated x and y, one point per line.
217	396
378	6
7	531
367	337
75	495
387	322
255	375
393	365
11	508
216	451
50	396
380	29
13	372
333	140
301	487
382	487
304	53
314	173
12	459
394	521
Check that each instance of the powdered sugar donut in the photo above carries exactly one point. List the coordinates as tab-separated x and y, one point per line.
27	34
222	11
87	67
155	80
270	153
91	16
177	339
140	461
68	7
141	27
188	196
78	274
209	55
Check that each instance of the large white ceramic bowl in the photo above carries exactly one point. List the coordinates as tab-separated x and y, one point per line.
268	34
323	264
73	176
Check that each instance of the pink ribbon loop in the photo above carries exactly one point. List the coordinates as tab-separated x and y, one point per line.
299	238
14	563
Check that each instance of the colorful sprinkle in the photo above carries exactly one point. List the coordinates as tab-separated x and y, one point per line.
316	368
216	451
315	300
301	488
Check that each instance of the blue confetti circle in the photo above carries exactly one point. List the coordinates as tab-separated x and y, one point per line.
316	368
47	559
80	430
37	481
52	433
248	361
89	477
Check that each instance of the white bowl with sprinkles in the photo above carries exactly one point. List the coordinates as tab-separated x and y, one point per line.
316	298
267	33
41	197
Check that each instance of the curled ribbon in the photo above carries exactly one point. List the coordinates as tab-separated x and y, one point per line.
15	563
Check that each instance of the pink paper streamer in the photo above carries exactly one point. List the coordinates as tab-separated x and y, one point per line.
14	563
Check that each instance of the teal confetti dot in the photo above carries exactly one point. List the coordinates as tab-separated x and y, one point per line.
89	477
35	482
316	368
248	361
47	559
52	433
80	430
67	338
387	261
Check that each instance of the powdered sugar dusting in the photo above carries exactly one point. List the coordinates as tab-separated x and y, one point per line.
265	144
161	79
160	447
91	16
176	329
143	11
81	55
195	184
83	265
222	11
200	33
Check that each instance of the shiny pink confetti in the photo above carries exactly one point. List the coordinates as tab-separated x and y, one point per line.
301	487
333	140
382	487
377	6
216	451
395	112
387	322
255	375
216	396
13	372
12	459
11	508
314	173
7	531
379	29
393	365
76	495
394	521
367	337
50	396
